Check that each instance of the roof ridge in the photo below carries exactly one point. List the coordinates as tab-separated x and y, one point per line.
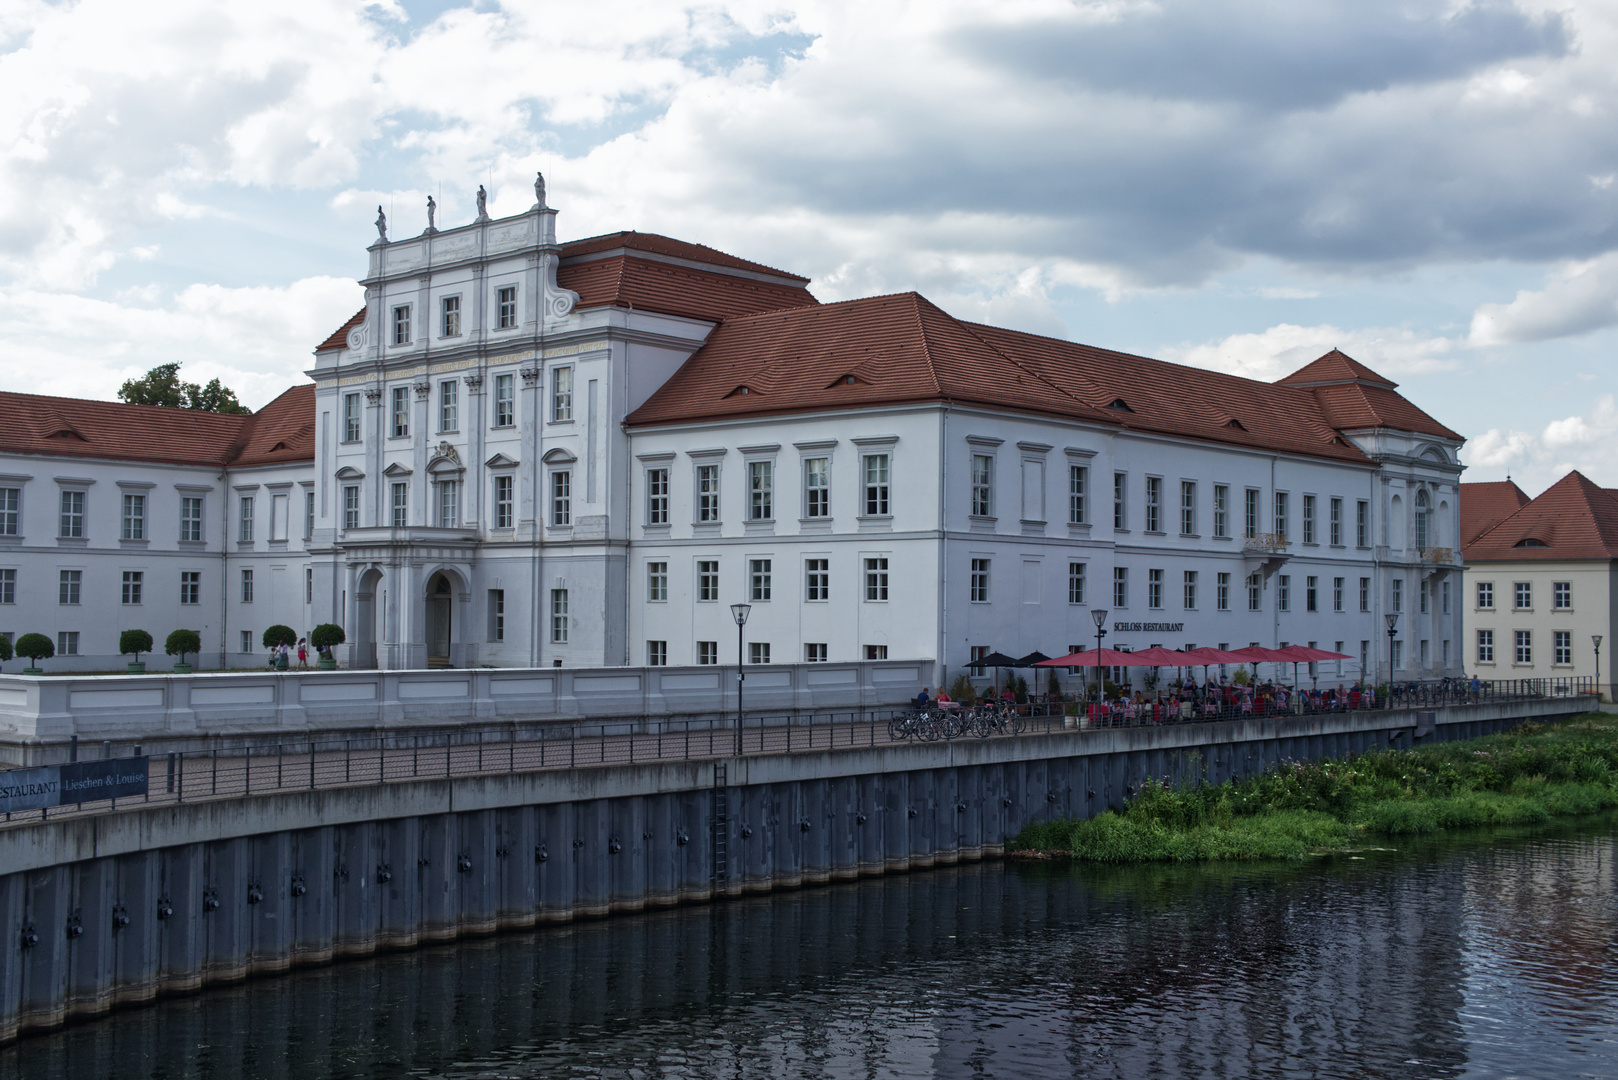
916	300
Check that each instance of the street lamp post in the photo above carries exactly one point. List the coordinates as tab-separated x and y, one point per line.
1100	617
739	611
1393	622
1596	638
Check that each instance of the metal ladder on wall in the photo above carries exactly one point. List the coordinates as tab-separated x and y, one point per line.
720	823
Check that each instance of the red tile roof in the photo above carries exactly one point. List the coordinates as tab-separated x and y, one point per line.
667	245
670	289
1572	519
72	427
1335	367
1485	505
339	337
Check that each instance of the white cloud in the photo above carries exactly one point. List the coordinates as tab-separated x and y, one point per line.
1585	441
1285	348
1582	297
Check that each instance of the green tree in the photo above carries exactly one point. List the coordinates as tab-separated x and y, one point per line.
5	648
36	647
134	642
162	386
213	398
182	642
277	634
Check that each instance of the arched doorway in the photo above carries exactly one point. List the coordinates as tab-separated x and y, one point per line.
365	620
440	616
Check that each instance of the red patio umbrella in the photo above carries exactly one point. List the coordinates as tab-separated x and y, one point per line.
1210	655
1303	654
1095	658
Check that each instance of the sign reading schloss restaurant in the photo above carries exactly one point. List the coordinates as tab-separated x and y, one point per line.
75	782
1147	627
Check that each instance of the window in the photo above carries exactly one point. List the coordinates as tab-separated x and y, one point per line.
876	652
758	652
67	643
1075	583
401	505
72	523
1309	591
1281	514
1336	525
1120	586
247	641
1283	593
657	581
559	616
1397	603
1221	509
401	325
506	299
1485	646
707	653
876	579
657	652
759	576
1523	592
1362	524
707	493
1190	589
67	586
247	586
561	394
760	490
1154	588
1078	480
1188	507
449	498
1120	482
505	400
308	585
1222	592
876	485
401	411
244	528
980	651
657	496
449	406
1154	500
1562	646
1398	654
1422	515
1486	595
1309	519
1337	596
814	652
351	418
708	580
8	586
1250	519
980	581
497	614
132	586
817	579
450	306
1562	595
1525	646
502	502
308	515
1255	592
351	507
1365	594
134	518
561	498
982	471
1422	597
10	506
817	487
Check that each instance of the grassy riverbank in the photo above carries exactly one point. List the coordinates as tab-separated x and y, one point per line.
1532	774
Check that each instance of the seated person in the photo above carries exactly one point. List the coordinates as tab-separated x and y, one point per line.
944	701
922	700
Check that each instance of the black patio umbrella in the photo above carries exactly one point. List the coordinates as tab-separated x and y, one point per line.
1035	657
996	660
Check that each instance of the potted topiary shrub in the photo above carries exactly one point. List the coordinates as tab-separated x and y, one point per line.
36	647
274	638
179	644
325	638
5	648
133	643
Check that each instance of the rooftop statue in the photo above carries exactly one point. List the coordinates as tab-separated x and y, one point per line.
539	189
381	224
432	212
483	204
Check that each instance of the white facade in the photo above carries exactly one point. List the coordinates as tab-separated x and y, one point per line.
1534	619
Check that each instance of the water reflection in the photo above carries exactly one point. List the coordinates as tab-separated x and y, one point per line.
1473	957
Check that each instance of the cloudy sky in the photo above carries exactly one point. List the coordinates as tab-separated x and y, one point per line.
1237	184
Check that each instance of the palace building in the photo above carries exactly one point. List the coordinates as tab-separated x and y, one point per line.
528	453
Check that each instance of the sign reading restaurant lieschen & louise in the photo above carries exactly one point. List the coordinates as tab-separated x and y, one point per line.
76	782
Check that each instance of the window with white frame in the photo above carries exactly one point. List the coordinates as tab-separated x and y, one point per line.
134	517
449	504
8	586
1120	486
982	485
68	584
1309	519
760	490
247	586
308	514
758	652
401	411
1423	515
1154	504
504	508
657	582
449	406
1075	583
561	498
351	418
1283	592
814	652
1250	514
817	579
401	324
1562	647
1362	524
1255	592
657	653
1422	597
401	505
67	643
1222	591
561	394
876	485
1221	511
1078	484
1398	654
308	585
708	493
1486	595
1444	591
817	487
1337	595
245	641
1525	646
876	652
134	580
657	496
1523	595
1485	646
876	579
190	587
244	527
708	580
1336	526
351	506
505	401
1154	589
1365	594
1120	586
559	616
1562	595
1397	595
506	307
759	578
980	581
10	511
497	614
707	653
71	525
450	308
1189	588
1188	507
1281	515
1310	591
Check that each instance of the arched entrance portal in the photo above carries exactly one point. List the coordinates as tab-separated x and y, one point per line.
366	611
440	618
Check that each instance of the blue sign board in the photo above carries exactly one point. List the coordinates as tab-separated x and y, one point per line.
75	782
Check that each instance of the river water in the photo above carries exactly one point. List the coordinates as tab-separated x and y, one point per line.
1476	956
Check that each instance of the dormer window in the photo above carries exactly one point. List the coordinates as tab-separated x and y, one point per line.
1530	542
740	391
1121	405
1237	424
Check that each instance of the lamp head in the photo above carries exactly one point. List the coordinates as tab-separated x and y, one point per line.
1100	617
740	612
1597	639
1393	620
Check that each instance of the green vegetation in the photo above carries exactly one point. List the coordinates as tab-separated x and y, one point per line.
134	642
1530	775
181	643
162	386
36	647
278	634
